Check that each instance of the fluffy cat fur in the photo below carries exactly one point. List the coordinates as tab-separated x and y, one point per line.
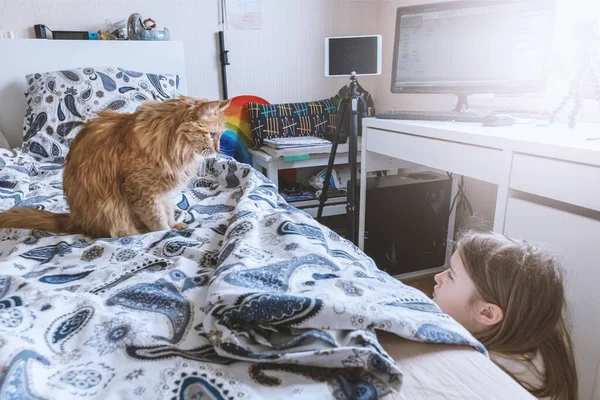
121	169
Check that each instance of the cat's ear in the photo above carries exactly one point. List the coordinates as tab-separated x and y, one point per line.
223	104
217	105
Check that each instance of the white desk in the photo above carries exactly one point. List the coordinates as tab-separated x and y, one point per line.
548	192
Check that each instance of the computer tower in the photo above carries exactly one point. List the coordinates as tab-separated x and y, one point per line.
406	221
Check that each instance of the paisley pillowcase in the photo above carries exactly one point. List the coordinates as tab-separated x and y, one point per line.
60	102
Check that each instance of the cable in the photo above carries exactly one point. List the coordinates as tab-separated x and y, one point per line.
460	199
541	115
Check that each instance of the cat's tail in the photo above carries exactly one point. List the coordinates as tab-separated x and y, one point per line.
31	218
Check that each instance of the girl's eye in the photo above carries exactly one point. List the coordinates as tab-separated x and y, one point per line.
212	134
450	275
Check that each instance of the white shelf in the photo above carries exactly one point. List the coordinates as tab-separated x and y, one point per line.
313	203
334	209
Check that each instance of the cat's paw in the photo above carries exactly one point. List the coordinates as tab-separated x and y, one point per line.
180	226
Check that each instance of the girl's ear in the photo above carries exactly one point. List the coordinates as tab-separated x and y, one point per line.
488	314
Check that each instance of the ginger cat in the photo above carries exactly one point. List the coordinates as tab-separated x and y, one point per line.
121	169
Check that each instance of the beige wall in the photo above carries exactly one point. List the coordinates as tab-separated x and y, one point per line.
282	62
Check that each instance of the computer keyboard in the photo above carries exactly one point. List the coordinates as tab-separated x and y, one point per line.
467	116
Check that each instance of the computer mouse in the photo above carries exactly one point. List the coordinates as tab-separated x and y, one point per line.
498	120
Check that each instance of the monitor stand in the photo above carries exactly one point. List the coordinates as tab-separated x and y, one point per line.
462	104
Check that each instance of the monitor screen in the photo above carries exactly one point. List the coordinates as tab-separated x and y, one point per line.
345	54
471	47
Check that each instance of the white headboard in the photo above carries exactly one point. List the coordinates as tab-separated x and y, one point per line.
19	57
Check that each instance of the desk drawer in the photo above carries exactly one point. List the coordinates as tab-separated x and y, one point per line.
477	162
565	181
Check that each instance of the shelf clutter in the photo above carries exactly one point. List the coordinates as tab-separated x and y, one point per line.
298	170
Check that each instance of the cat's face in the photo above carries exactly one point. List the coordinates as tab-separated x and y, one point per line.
205	123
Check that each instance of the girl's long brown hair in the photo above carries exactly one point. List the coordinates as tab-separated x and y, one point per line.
527	284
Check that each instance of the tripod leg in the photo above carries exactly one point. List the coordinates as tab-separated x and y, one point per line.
351	192
358	105
577	98
340	117
572	88
359	108
596	83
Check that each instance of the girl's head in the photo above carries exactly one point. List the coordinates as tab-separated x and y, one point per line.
510	295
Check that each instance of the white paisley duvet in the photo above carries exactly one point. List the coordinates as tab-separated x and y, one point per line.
256	300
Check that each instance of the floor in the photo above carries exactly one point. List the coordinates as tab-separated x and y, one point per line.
423	283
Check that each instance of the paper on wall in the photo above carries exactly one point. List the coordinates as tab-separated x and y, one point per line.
244	14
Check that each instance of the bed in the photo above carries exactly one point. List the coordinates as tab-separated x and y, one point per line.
254	300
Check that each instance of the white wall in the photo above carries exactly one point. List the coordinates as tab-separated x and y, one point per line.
282	62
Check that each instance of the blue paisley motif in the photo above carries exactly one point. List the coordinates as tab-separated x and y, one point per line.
257	198
268	308
357	391
276	277
150	267
65	128
177	247
67	326
134	74
9	302
415	305
155	81
159	297
45	254
183	204
308	231
15	384
87	94
36	126
108	82
194	282
125	89
61	115
194	387
436	334
70	104
64	278
116	105
55	151
4	285
186	233
164	352
140	97
83	380
320	277
70	75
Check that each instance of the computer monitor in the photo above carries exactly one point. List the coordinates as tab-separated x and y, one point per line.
469	47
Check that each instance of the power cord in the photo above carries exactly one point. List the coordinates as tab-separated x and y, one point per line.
460	199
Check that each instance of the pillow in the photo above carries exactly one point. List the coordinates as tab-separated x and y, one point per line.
60	102
315	118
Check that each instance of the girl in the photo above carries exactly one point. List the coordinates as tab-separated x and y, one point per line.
509	295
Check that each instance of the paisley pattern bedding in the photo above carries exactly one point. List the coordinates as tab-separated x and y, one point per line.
254	300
